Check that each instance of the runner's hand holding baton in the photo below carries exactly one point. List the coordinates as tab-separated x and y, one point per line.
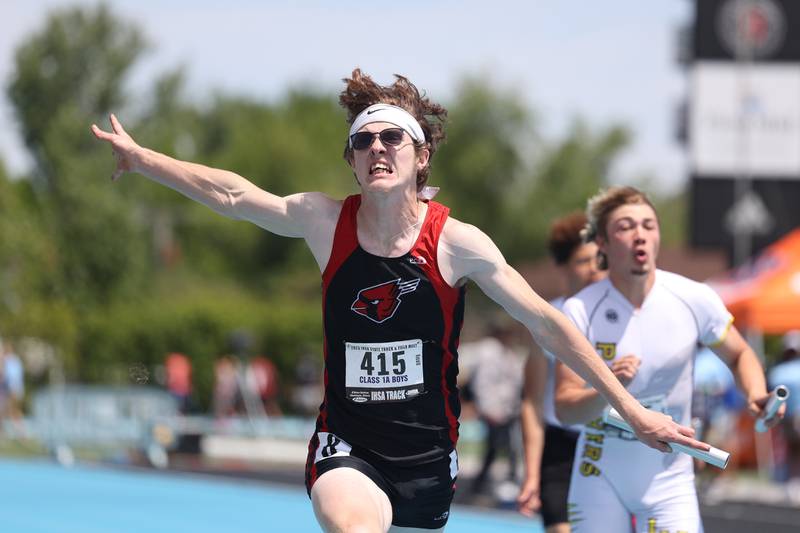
713	456
777	397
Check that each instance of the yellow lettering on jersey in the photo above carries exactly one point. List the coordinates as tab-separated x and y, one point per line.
588	469
592	452
607	350
597	424
651	527
595	437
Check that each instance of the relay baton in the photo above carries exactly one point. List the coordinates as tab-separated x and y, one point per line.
714	456
777	397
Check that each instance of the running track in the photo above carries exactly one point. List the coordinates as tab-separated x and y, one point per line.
42	497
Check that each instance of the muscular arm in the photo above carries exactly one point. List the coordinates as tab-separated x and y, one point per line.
467	253
307	215
225	192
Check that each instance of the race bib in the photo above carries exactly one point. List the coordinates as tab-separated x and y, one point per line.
384	371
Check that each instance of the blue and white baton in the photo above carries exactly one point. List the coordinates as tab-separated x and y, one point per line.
714	456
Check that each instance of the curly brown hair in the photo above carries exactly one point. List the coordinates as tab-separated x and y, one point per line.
361	91
565	236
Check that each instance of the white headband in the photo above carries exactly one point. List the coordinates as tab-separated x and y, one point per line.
391	114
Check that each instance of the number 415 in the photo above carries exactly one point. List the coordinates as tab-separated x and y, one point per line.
398	363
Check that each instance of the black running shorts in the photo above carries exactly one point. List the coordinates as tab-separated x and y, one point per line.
420	495
557	457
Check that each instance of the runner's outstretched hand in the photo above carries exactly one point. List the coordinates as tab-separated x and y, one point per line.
657	430
123	146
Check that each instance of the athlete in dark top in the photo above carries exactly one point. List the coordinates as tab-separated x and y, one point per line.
391	334
394	267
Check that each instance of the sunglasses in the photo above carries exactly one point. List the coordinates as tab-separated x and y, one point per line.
389	137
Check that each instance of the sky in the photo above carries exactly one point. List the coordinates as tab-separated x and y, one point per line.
606	62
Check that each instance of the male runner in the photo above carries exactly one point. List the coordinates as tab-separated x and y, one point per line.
660	317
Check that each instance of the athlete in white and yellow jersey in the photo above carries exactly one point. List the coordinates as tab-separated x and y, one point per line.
648	324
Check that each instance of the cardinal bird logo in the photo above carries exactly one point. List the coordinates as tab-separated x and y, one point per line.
380	302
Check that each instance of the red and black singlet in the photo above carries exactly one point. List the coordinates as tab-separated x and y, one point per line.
391	333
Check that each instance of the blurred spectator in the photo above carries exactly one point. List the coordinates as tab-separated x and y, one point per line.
787	434
714	386
178	371
12	382
495	382
787	372
307	391
262	378
226	387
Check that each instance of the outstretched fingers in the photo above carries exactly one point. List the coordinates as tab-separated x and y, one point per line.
116	129
121	145
116	126
100	134
670	432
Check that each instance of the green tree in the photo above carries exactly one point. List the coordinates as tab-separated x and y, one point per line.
565	175
30	303
71	70
77	60
479	166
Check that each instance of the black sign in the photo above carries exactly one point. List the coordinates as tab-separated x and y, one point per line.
757	30
713	213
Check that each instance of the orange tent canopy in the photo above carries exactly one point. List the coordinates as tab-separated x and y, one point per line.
764	294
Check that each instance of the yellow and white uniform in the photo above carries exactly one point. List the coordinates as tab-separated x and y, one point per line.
614	476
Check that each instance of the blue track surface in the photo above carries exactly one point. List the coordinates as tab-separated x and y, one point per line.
41	497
